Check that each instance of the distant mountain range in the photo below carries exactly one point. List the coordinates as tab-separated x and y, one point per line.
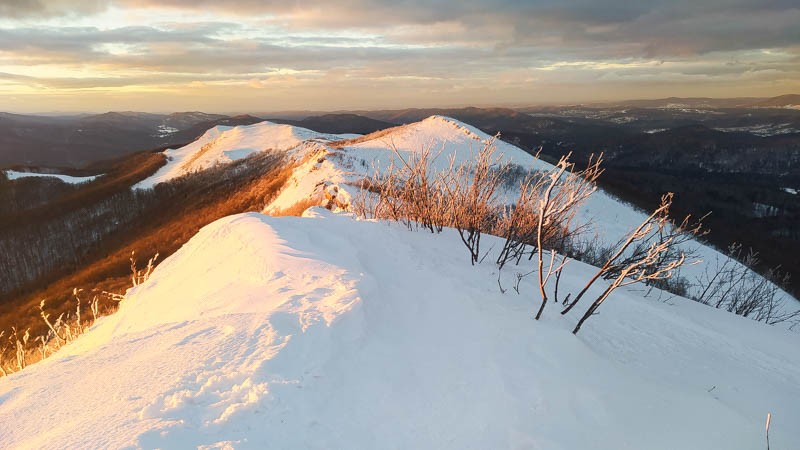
77	141
781	101
338	123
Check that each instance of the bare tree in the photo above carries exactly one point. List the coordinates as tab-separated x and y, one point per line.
734	285
472	195
3	347
558	208
655	256
518	223
462	196
137	276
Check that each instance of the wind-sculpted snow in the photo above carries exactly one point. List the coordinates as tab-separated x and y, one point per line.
326	332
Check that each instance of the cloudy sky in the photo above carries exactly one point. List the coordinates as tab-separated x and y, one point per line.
271	55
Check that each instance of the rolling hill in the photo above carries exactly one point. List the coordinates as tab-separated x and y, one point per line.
79	141
781	101
339	123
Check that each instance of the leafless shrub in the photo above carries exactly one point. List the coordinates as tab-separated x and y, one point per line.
591	250
66	328
52	327
543	218
404	193
462	196
94	307
19	346
140	276
3	347
518	224
514	175
557	209
676	285
541	223
646	254
766	427
738	288
471	198
543	215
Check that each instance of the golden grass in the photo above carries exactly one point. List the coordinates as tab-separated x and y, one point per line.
162	232
296	209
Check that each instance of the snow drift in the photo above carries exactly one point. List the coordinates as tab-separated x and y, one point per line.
324	332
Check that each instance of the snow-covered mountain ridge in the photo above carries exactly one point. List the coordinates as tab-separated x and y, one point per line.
330	332
331	166
223	144
336	167
324	332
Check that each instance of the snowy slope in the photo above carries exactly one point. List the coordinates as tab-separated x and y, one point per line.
336	165
13	175
223	144
446	138
443	136
340	164
326	332
334	169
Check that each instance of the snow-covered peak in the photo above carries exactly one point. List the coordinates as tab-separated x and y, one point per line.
330	171
443	136
330	176
223	144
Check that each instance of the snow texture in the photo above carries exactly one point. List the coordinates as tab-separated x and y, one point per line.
325	332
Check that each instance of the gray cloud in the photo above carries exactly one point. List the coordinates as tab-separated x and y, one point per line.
28	8
647	28
431	46
195	51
